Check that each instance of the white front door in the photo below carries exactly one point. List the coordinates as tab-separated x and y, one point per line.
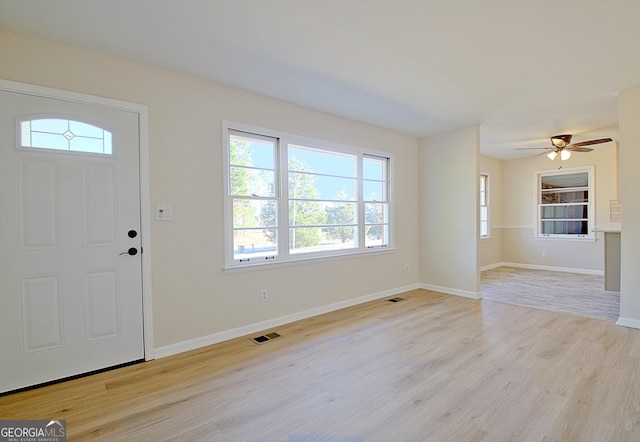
70	261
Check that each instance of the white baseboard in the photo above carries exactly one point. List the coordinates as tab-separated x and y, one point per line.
541	267
491	266
628	322
203	341
452	291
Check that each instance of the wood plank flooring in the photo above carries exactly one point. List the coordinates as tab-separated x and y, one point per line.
433	367
570	293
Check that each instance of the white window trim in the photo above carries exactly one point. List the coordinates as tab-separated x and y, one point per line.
284	258
488	204
591	207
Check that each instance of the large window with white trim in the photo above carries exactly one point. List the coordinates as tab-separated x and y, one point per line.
565	203
290	198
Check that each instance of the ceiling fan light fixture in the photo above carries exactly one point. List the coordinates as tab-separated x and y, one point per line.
561	141
562	145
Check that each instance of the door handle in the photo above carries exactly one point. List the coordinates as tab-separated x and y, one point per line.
132	251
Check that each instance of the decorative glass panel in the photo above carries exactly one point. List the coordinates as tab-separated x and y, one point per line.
69	135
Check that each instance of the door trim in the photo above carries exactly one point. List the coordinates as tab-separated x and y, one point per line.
145	202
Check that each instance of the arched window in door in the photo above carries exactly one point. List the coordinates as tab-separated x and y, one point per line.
65	134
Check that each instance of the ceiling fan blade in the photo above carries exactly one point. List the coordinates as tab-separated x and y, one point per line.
579	149
535	148
589	143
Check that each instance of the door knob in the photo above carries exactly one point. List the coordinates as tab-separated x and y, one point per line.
132	233
132	251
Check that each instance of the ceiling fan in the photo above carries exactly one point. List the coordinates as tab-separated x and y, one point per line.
561	144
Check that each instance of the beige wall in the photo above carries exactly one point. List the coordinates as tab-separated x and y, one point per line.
435	193
192	296
449	212
629	112
519	245
490	249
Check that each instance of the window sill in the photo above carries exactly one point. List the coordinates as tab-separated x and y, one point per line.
303	260
566	238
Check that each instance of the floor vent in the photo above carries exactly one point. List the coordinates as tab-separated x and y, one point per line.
265	338
396	299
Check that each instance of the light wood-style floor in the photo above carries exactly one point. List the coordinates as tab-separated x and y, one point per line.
563	292
431	368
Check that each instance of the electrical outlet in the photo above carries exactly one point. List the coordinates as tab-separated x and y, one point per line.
544	253
264	295
406	268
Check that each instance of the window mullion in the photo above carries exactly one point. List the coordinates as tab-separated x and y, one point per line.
361	209
283	198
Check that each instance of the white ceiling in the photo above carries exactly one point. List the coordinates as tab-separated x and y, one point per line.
523	70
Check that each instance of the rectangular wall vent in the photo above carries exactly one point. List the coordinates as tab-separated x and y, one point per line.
265	338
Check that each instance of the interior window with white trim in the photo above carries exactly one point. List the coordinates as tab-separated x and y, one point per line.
565	204
290	198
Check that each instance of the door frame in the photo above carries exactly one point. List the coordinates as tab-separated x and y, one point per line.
145	202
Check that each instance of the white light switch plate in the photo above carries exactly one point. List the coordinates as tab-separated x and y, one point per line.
164	213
